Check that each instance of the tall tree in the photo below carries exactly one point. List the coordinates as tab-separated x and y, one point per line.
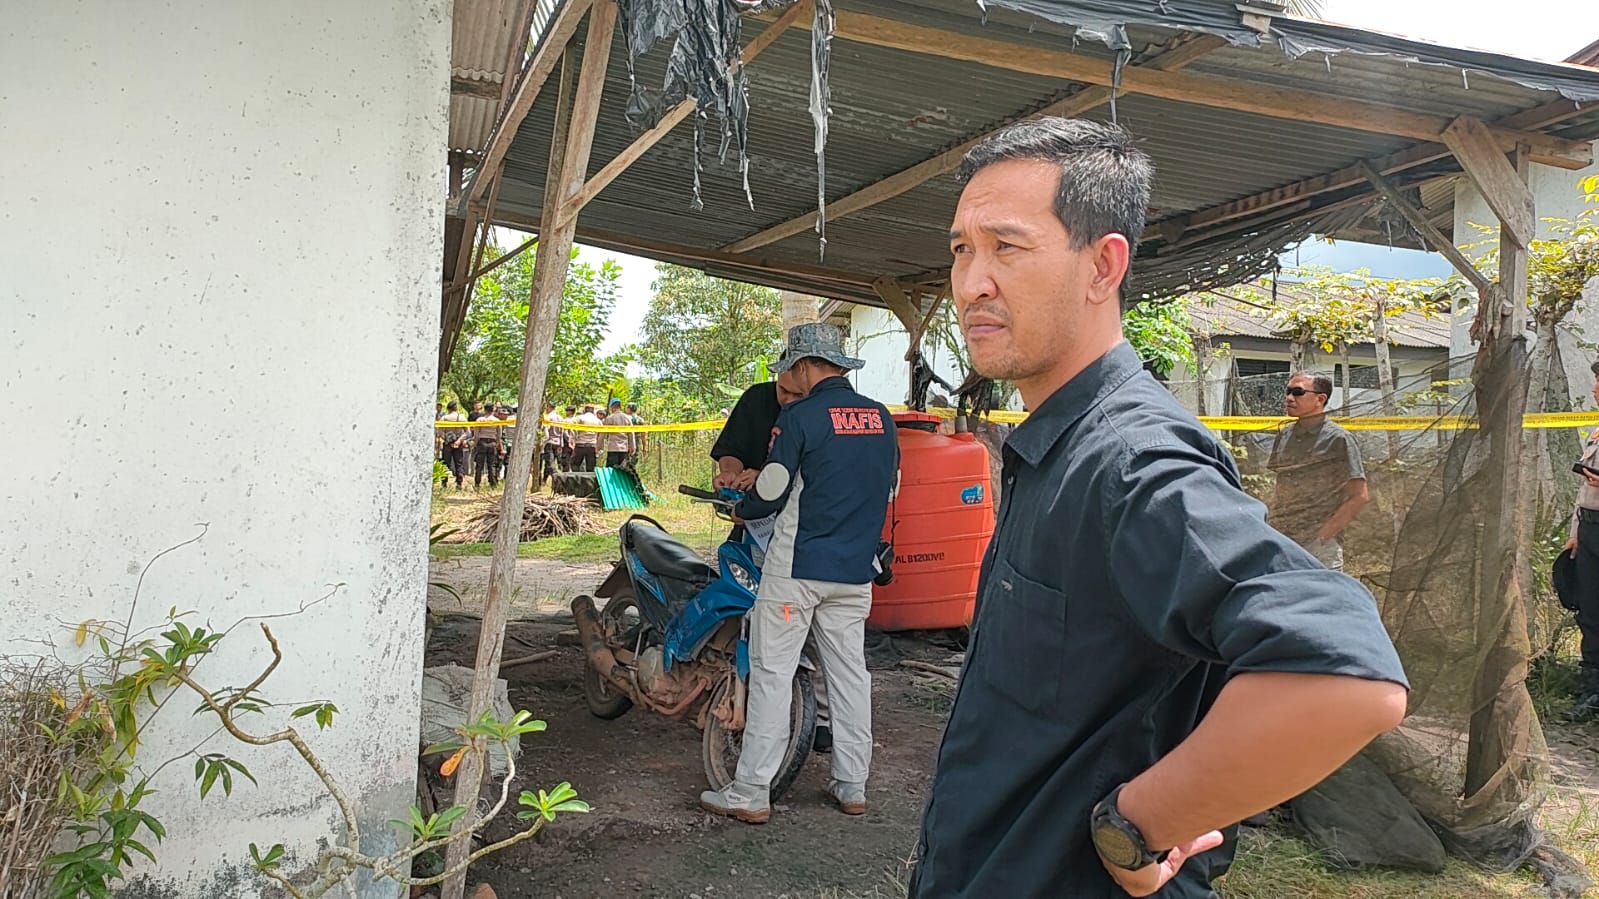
487	363
706	336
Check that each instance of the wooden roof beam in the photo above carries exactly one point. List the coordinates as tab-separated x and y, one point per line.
1504	189
1204	90
1429	234
948	161
808	278
545	59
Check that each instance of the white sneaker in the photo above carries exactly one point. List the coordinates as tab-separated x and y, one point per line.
742	802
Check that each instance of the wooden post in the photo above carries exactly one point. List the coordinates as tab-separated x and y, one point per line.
1502	719
569	158
1385	371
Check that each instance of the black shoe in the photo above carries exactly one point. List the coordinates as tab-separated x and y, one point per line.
823	741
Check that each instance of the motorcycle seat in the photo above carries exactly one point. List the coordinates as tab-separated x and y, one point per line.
665	556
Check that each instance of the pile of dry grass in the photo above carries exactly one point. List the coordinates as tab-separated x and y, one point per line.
31	767
543	515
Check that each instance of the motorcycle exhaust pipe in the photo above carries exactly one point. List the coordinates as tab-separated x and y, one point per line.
599	654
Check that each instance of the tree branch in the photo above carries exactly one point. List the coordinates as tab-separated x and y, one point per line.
288	735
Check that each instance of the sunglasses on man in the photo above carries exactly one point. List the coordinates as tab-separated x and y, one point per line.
1301	391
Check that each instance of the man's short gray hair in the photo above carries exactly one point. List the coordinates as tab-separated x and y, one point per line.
1319	382
1104	177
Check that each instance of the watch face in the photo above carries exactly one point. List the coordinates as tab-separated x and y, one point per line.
1116	846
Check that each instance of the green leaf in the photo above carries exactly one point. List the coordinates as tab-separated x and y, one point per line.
211	773
154	826
451	815
241	769
571	805
437	748
140	848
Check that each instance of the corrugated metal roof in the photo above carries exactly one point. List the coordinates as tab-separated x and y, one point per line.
487	44
1223	314
620	489
893	108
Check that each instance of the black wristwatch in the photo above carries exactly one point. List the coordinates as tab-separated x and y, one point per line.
1117	839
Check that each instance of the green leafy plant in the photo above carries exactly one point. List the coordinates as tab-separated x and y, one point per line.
1161	333
134	674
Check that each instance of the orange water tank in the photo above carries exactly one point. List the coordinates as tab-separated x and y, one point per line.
945	515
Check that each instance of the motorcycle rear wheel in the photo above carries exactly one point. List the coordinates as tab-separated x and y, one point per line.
719	748
619	616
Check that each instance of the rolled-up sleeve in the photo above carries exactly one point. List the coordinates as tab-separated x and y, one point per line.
1204	576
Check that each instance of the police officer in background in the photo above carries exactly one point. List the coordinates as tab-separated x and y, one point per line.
1583	544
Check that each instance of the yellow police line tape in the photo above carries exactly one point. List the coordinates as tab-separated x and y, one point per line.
1214	422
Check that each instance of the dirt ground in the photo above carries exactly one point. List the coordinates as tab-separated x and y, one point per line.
646	835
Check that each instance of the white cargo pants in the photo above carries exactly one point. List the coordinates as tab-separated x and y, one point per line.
784	614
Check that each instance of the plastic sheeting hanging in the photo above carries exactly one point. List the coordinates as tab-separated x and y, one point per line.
821	100
704	64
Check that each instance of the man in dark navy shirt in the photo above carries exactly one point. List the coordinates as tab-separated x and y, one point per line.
1150	662
828	477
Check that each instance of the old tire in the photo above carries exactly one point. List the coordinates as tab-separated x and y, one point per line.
621	617
720	748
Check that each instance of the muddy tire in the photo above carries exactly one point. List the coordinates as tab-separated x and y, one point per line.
620	616
719	748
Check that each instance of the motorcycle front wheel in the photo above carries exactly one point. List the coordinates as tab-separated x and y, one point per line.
719	747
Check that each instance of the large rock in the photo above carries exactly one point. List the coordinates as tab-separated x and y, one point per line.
1358	819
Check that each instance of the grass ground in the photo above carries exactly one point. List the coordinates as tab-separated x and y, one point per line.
690	522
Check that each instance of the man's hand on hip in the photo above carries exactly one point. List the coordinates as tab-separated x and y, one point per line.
1150	878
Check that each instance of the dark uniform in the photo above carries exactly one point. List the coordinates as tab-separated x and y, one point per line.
1585	524
1128	577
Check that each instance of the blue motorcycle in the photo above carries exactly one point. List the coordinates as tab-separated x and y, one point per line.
673	638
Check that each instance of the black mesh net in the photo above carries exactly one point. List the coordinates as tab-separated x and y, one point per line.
1462	586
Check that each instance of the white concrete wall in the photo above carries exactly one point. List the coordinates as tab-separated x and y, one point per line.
219	277
1410	374
1556	195
877	336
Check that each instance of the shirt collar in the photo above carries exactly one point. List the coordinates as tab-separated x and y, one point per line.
1308	423
1034	438
836	382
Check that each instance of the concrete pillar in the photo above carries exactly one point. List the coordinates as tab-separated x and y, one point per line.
799	309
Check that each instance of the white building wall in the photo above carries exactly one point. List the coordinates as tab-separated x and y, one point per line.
1556	195
877	336
219	279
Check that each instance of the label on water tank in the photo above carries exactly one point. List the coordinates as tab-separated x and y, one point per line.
972	495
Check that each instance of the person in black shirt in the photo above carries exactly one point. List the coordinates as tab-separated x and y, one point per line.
740	450
1150	662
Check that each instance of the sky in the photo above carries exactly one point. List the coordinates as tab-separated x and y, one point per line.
1549	30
